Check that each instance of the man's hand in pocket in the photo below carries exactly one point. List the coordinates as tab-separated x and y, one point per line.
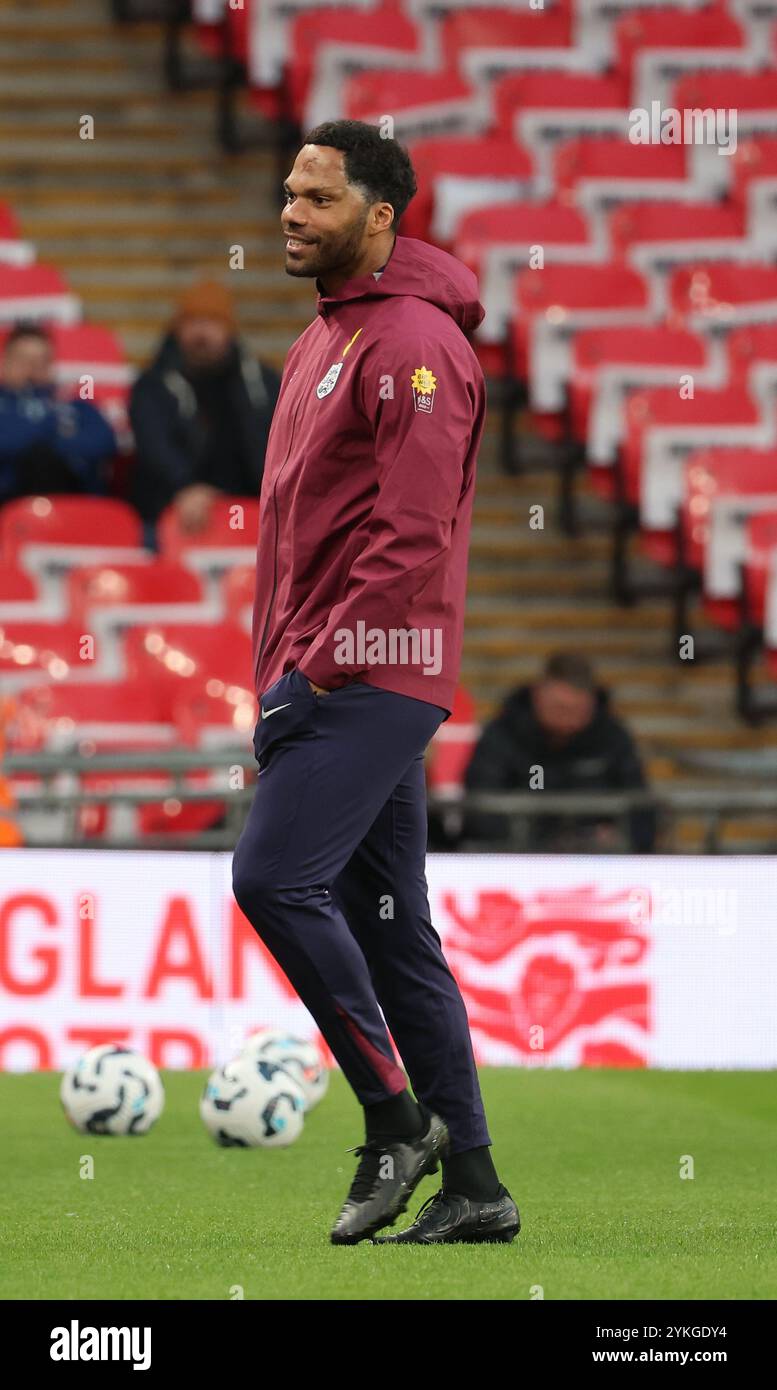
318	689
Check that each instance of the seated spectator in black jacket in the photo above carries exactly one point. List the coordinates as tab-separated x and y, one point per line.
200	414
47	444
563	725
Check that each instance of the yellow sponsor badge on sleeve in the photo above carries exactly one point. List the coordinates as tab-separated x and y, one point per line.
424	384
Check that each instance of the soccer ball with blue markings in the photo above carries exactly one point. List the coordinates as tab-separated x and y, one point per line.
112	1090
252	1104
300	1058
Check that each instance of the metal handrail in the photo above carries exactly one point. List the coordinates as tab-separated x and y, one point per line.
59	772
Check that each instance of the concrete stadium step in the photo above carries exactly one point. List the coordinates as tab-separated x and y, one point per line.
45	114
248	286
98	251
488	613
513	512
532	584
89	44
503	578
505	649
74	155
61	12
748	836
534	483
18	79
25	133
531	548
37	102
128	218
126	144
515	535
65	25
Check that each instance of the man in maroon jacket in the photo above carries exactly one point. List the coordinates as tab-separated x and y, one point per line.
365	513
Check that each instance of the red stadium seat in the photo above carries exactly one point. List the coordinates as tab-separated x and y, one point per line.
671	28
125	716
205	718
233	525
36	292
617	161
464	32
555	91
719	292
452	747
191	655
440	103
386	35
102	712
498	241
759	563
724	489
457	175
238	587
743	91
162	586
635	346
16	586
666	222
30	647
89	348
88	523
748	346
13	250
657	483
755	158
9	227
561	296
519	226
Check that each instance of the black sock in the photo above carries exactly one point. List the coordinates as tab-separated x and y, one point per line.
399	1117
472	1174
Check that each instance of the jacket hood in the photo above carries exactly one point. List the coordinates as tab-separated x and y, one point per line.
519	702
423	271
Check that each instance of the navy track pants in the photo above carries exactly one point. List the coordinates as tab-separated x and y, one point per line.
329	870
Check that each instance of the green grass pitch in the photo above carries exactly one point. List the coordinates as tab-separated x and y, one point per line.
592	1157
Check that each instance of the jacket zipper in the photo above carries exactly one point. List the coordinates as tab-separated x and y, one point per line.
275	511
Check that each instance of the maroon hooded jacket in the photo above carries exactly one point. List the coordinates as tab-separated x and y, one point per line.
368	484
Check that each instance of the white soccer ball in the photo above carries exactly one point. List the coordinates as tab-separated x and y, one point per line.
253	1104
112	1090
302	1059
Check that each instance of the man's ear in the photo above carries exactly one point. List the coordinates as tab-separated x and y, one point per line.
382	217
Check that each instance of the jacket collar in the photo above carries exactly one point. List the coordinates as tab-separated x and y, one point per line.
352	289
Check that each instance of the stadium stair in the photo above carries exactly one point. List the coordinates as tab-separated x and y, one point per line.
130	217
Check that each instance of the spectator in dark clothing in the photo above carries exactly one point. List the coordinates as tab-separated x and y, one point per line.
200	414
561	724
47	445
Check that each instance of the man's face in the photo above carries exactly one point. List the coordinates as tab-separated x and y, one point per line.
561	709
28	362
325	219
203	341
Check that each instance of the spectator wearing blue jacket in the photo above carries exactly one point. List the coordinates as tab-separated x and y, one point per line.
47	445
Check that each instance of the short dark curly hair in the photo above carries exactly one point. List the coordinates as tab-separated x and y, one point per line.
380	167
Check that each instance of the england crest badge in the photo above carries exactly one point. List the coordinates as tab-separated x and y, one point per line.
328	382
